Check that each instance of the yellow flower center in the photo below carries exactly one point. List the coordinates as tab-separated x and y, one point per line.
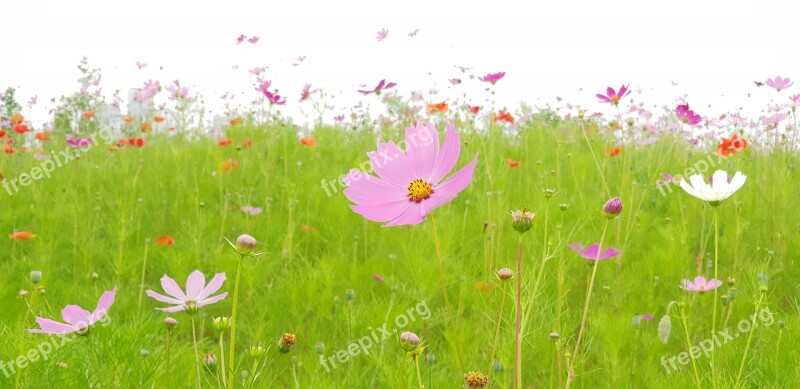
615	98
419	190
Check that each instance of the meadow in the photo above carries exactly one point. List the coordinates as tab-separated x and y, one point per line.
325	303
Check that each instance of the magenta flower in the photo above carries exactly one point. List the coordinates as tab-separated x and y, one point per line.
377	278
274	98
590	253
197	292
454	81
410	184
251	210
381	86
240	39
700	284
257	70
493	77
253	39
338	118
306	93
382	34
77	319
613	96
79	142
686	115
779	83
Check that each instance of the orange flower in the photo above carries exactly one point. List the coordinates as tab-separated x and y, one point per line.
127	119
613	151
145	127
229	164
165	240
88	114
20	128
504	116
437	108
9	150
474	109
235	121
512	163
42	136
310	142
731	146
248	143
22	235
16	119
158	119
225	142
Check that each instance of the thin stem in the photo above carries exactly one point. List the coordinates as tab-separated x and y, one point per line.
759	302
141	284
169	357
419	376
689	346
716	298
518	320
231	354
222	357
570	366
497	333
196	353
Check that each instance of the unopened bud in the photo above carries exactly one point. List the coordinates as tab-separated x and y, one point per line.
221	323
612	208
287	342
36	276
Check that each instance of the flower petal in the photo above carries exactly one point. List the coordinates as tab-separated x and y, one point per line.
212	287
195	284
422	148
451	187
447	157
382	212
103	305
369	190
172	288
211	300
412	215
392	164
76	316
174	309
48	326
164	299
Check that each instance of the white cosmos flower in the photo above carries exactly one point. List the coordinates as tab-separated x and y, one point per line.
716	192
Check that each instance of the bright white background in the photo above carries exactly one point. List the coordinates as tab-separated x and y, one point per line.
713	50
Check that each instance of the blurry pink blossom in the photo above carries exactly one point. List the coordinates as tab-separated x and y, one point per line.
382	34
779	83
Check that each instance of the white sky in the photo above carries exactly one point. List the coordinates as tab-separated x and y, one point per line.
713	50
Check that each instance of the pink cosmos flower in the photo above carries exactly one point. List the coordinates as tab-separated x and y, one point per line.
381	86
700	284
338	118
382	34
590	253
196	296
140	65
274	98
306	93
613	96
32	101
779	83
493	77
79	142
240	39
686	115
77	319
253	39
251	210
410	184
795	100
454	81
377	278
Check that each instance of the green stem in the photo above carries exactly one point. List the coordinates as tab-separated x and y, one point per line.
222	357
518	320
231	355
497	333
574	356
419	376
759	302
169	357
689	346
196	353
141	284
716	297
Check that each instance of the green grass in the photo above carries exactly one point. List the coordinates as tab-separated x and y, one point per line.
102	213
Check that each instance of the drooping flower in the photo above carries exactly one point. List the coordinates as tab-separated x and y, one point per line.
779	83
731	146
165	240
76	318
686	115
612	96
197	294
700	284
410	184
717	192
493	77
22	235
382	34
378	89
591	253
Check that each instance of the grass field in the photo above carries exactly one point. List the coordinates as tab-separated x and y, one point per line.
332	278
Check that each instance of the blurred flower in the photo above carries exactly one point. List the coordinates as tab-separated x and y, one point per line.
686	115
613	151
88	115
229	165
731	146
700	284
779	83
437	108
591	253
504	116
80	142
612	96
20	128
306	93
252	211
165	240
409	337
16	119
475	380
158	119
77	319
512	163
411	185
306	141
224	142
493	77
474	109
378	89
287	342
42	136
197	295
717	192
253	39
22	235
382	34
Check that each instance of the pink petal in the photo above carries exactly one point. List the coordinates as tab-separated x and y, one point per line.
714	284
610	92
412	215
603	98
369	190
391	164
422	147
450	188
698	281
51	327
195	284
591	252
103	305
610	252
211	300
576	247
76	316
212	287
382	212
172	288
174	309
164	299
448	156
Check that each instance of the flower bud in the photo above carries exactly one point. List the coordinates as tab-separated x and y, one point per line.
210	360
36	276
170	323
350	294
221	323
410	338
246	243
554	336
430	359
781	324
612	208
563	206
287	342
23	293
95	276
522	220
475	380
320	348
62	366
548	193
664	328
505	274
144	353
497	366
190	307
257	351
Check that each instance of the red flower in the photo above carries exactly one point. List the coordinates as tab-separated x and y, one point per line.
165	240
2	133
512	163
225	142
613	151
504	116
22	235
88	114
731	146
310	142
474	109
248	143
21	128
437	108
158	119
